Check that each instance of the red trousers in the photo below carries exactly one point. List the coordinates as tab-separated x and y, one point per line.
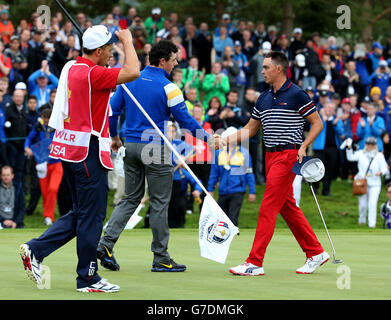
49	188
278	198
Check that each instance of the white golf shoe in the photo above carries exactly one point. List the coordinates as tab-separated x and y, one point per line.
247	269
313	263
100	286
31	265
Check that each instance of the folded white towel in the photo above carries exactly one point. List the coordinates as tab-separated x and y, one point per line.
60	106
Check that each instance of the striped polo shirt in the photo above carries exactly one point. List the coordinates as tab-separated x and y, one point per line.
282	114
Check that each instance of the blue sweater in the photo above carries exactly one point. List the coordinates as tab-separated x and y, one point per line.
160	98
376	130
238	175
41	132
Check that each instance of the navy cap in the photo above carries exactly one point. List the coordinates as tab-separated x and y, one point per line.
297	167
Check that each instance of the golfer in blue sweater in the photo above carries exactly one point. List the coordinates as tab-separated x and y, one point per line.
146	154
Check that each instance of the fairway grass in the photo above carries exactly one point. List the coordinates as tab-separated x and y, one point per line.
365	253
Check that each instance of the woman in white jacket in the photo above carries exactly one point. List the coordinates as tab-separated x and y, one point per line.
378	167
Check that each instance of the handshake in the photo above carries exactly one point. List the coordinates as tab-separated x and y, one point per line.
216	142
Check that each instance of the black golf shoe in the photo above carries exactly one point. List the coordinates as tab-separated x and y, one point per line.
171	266
107	259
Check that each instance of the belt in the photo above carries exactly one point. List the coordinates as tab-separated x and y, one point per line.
280	148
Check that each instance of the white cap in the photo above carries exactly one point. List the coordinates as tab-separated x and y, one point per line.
271	28
229	131
383	63
313	170
300	59
156	11
226	16
97	36
297	30
20	86
266	46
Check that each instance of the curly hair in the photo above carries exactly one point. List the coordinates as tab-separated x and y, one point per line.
162	49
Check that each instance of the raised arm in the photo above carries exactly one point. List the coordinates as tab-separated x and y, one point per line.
131	68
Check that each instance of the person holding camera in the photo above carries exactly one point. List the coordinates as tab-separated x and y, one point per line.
381	78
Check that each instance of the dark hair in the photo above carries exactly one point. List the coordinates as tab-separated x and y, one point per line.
233	91
279	58
32	97
388	185
163	49
46	113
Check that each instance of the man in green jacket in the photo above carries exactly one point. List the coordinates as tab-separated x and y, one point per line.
215	84
153	24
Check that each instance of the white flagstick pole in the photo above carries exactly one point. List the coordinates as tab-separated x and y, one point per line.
164	137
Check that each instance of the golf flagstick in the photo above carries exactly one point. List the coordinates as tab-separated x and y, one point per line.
324	223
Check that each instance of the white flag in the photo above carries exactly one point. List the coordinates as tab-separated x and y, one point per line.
135	218
216	231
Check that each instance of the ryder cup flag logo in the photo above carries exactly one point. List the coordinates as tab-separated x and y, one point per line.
216	231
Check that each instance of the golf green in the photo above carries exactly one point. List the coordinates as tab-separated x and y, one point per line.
363	275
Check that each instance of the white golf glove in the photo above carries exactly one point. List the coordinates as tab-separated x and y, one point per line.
347	143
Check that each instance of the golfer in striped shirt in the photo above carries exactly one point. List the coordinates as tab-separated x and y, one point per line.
281	111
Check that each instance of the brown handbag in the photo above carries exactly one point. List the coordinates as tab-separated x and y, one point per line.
360	185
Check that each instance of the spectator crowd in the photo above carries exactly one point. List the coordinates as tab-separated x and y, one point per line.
220	74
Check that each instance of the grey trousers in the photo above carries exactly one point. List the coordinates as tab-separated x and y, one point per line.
152	162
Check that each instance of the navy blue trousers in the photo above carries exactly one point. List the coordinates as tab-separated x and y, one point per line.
89	187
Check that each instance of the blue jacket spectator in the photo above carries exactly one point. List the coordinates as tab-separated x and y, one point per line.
232	171
372	126
380	78
40	83
40	132
2	122
320	141
376	54
221	41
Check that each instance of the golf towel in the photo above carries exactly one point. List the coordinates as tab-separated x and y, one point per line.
60	106
216	231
